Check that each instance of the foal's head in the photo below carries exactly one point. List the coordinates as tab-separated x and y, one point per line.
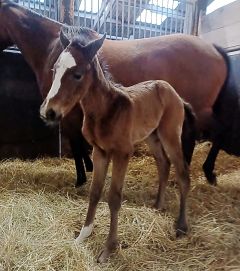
73	75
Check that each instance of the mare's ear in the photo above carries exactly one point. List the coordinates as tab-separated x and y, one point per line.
64	40
91	49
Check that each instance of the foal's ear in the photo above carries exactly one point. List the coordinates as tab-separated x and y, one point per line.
92	48
64	40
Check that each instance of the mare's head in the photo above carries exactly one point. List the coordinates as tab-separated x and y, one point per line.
5	38
73	75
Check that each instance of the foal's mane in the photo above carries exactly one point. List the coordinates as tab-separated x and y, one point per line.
84	35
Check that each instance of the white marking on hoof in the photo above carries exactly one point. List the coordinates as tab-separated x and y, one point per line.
84	233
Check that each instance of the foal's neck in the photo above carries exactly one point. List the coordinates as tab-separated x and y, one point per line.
102	92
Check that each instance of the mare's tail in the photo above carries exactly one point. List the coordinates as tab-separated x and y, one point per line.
225	88
188	133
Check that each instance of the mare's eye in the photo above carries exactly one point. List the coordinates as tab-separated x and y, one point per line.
77	76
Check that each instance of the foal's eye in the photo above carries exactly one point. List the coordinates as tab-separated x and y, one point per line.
77	76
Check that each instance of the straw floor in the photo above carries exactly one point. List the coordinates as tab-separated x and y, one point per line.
41	212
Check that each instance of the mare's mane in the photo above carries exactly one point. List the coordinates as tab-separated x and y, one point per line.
31	13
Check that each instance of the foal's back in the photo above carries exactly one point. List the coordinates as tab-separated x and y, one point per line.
152	102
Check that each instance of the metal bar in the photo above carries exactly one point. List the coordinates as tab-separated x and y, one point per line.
85	7
176	21
78	12
151	22
134	18
161	26
117	18
123	18
145	22
59	140
104	15
128	19
111	18
166	21
98	17
171	25
140	22
39	6
91	13
182	16
156	25
44	7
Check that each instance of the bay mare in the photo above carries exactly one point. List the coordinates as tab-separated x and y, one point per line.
115	119
197	70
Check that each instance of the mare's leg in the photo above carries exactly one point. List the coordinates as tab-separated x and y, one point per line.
80	152
120	162
85	154
101	162
171	141
163	167
208	165
77	155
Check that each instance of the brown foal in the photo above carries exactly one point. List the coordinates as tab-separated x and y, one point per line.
115	119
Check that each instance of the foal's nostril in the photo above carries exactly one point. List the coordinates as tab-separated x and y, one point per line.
51	115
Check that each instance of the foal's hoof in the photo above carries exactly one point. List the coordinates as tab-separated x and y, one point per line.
181	231
103	256
107	251
160	208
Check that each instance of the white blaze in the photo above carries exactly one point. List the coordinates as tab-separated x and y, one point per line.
64	62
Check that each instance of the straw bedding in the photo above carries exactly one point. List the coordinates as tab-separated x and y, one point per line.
41	212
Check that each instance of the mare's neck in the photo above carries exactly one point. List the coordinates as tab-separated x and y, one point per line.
35	35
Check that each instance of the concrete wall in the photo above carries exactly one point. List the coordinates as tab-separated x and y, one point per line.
222	26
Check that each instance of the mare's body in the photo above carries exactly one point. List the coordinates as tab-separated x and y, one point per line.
115	119
196	69
23	133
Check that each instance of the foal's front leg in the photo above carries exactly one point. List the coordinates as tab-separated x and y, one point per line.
120	163
100	166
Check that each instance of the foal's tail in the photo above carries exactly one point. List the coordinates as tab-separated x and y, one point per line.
188	133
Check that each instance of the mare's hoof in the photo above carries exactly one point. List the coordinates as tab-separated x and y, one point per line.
89	168
211	178
80	183
89	165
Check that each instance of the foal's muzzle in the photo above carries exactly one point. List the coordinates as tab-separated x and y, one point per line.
51	117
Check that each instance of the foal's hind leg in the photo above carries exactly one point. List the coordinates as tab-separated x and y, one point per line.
171	141
163	167
101	162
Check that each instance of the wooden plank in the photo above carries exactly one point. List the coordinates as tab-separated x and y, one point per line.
227	37
222	17
67	11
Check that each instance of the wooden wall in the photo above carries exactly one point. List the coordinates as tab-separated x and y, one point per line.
222	26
